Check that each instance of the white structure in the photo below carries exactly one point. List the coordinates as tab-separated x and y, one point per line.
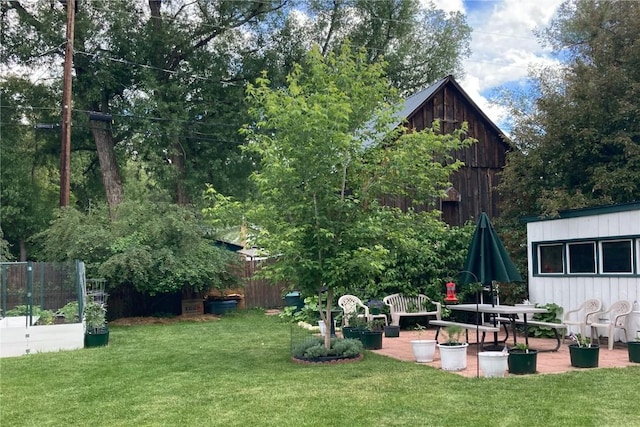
586	253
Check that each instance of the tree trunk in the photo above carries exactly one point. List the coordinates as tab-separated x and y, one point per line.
108	165
178	162
23	251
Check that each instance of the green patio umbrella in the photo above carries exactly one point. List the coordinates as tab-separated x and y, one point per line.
488	260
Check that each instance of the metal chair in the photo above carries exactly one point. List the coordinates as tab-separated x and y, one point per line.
582	315
612	319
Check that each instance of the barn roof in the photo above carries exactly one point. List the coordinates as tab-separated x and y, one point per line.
418	99
415	102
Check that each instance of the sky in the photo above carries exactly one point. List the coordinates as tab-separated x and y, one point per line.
503	45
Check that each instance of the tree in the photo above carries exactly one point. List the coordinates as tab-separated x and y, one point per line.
327	155
420	44
153	246
28	173
580	140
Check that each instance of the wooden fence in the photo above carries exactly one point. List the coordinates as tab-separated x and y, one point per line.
259	292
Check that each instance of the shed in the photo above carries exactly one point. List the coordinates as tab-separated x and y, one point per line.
473	187
585	253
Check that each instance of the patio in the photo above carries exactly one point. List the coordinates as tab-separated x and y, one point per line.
548	362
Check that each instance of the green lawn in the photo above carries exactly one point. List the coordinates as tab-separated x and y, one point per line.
237	372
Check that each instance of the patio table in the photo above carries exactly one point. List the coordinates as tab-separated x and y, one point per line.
509	311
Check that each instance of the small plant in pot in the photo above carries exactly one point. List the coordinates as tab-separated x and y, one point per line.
371	335
96	329
453	352
375	306
423	349
522	360
355	324
583	353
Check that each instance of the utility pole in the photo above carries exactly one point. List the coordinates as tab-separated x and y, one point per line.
65	153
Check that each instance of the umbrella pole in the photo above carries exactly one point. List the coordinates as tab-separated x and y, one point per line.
477	334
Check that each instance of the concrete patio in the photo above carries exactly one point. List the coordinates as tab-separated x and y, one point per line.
549	362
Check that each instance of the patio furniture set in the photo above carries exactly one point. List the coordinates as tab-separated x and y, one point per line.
588	314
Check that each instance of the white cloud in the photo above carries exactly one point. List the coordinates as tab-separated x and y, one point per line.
503	45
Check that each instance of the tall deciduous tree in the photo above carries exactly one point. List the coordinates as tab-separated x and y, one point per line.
580	141
327	155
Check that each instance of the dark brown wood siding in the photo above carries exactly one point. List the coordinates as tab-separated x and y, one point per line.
477	180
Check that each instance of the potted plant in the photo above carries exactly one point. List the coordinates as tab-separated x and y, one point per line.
453	352
96	330
634	350
583	353
522	360
371	335
423	350
356	324
375	306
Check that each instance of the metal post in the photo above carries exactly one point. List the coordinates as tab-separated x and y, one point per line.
30	292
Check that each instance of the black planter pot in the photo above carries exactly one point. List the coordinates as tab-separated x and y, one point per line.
391	331
584	357
371	340
634	351
352	332
521	363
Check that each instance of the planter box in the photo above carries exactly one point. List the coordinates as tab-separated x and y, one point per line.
192	307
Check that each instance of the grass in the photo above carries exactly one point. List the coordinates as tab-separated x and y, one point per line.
237	372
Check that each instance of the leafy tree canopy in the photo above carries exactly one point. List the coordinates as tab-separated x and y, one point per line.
580	140
328	153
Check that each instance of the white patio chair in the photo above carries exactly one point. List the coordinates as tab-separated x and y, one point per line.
582	315
351	304
612	319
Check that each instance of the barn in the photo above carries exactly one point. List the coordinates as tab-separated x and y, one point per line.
473	187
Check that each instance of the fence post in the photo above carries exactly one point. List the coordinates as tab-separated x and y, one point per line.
30	292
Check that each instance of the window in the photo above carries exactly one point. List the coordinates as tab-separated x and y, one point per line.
582	257
616	256
550	259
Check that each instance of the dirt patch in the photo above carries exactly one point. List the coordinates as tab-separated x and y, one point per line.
130	321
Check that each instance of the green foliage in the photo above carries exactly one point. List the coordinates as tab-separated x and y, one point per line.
308	314
154	247
553	316
95	317
452	335
45	317
332	155
578	132
70	312
580	341
314	347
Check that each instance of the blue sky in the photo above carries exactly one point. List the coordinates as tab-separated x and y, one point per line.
503	45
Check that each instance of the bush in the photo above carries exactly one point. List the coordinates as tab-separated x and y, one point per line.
313	348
